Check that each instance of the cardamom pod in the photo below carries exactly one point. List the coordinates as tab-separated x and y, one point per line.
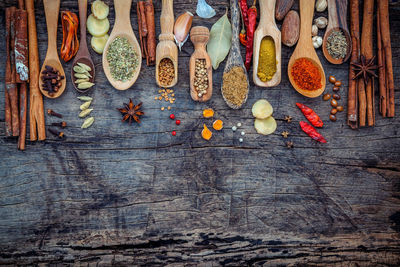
85	112
87	123
85	105
85	98
79	69
81	76
87	74
81	80
84	66
85	85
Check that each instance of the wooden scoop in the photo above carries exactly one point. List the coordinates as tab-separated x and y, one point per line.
122	28
305	48
267	27
167	48
337	21
51	8
83	55
235	58
199	36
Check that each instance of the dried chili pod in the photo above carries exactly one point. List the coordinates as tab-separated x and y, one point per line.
310	115
70	43
252	16
311	132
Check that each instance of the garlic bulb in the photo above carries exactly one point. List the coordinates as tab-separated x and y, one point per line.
314	30
321	22
321	5
204	10
182	27
317	41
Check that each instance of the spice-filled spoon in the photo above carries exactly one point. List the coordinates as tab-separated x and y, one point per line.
125	40
53	85
338	32
200	65
83	55
304	56
167	51
235	84
267	47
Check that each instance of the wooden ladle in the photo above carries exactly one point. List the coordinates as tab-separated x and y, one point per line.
167	48
235	58
83	55
199	36
122	28
267	27
305	48
337	21
51	8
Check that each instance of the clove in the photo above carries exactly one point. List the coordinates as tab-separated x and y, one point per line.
53	113
56	133
51	79
62	124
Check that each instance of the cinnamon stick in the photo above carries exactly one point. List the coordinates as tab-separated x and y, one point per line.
151	33
36	113
355	54
383	9
21	46
22	115
7	112
141	22
381	71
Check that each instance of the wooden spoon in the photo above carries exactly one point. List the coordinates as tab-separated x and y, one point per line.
122	28
267	27
235	58
51	8
337	21
167	48
305	48
199	36
83	55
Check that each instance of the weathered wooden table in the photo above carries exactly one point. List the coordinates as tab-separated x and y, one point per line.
136	195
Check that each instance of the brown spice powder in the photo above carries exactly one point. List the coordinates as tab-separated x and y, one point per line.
234	86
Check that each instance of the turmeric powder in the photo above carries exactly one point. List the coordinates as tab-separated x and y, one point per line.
267	59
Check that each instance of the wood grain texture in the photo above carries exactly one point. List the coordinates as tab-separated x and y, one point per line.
135	195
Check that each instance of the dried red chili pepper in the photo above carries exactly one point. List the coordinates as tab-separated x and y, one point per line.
310	115
252	14
311	132
242	34
70	43
243	11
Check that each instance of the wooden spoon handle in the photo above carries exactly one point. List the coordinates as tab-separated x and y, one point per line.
306	18
267	12
122	14
235	20
167	17
333	15
82	19
341	6
51	9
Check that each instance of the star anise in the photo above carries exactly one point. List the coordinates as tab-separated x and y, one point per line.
288	118
289	144
364	68
131	112
285	134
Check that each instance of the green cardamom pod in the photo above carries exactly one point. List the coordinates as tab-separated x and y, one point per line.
85	85
85	98
87	74
79	69
81	80
85	105
85	112
87	123
81	76
84	66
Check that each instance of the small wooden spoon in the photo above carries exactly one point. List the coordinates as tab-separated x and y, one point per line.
337	21
199	36
167	48
83	55
267	27
305	48
235	58
122	28
51	8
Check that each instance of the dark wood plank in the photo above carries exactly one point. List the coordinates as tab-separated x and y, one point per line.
123	195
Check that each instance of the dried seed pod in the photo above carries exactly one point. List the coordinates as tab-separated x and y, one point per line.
87	123
85	112
84	66
78	81
85	98
81	76
85	85
85	105
79	69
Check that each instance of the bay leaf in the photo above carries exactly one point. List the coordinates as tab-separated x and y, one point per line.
220	41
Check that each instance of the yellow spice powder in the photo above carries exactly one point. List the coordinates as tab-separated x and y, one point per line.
267	59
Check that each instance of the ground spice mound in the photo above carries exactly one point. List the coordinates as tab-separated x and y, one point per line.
306	75
234	86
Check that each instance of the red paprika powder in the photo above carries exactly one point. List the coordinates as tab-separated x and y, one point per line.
306	75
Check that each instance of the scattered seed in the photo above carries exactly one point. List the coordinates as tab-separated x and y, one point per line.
85	105
87	123
162	108
234	128
85	112
239	124
240	140
242	133
168	107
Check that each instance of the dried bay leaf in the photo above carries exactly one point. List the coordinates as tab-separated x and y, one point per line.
220	41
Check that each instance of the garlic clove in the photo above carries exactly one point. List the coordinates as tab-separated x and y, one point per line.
321	22
314	30
317	41
321	5
182	27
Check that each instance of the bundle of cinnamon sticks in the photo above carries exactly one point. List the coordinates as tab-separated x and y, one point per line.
147	31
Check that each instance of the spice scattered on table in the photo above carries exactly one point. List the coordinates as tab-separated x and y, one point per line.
70	43
306	75
262	109
310	115
85	105
218	125
288	119
172	116
85	98
206	133
289	144
267	59
241	140
208	113
51	80
234	86
177	122
85	112
173	133
167	94
285	134
57	133
336	44
61	124
310	131
87	123
234	128
166	72
53	113
131	112
122	59
200	77
264	123
326	97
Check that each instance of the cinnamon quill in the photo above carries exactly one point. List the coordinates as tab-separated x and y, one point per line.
147	31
